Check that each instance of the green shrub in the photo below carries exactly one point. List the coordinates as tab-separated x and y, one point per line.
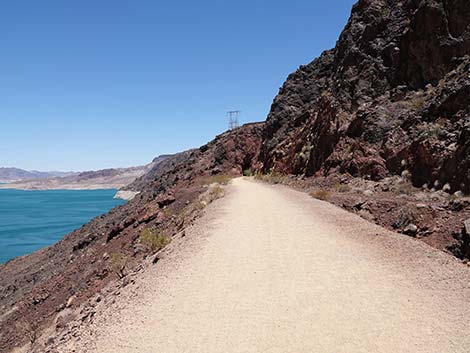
152	240
248	172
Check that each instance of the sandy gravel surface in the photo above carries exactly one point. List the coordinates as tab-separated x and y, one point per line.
269	269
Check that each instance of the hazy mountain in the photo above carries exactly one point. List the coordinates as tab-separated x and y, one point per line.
15	174
112	178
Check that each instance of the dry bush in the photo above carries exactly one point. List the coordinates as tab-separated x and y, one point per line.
403	188
417	103
28	329
323	195
434	130
118	263
406	214
222	179
152	240
214	192
342	188
271	177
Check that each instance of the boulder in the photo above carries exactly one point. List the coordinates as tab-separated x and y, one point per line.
411	230
165	199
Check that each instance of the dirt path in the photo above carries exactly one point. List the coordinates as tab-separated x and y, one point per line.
273	270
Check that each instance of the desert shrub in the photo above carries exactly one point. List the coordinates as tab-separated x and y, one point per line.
342	188
434	130
406	215
320	194
214	192
272	177
28	329
118	263
248	172
167	212
152	240
418	103
403	188
386	11
222	179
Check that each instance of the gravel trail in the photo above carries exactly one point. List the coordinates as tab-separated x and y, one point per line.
269	269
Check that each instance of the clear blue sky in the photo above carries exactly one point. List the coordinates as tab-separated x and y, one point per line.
91	84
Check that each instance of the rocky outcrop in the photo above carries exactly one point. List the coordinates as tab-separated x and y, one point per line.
391	97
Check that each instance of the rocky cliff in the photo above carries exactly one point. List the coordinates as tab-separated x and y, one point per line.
392	96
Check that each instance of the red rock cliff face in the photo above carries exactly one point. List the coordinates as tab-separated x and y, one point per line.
393	95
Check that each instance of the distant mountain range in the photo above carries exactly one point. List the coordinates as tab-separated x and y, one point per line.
113	178
16	174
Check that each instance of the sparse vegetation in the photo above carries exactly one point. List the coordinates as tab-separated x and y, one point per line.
272	177
342	188
386	11
152	240
248	172
118	263
407	214
28	329
214	192
222	179
403	188
418	102
323	195
167	212
434	130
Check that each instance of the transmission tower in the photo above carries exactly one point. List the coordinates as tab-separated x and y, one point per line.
233	119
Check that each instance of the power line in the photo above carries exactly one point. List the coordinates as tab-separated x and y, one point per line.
233	119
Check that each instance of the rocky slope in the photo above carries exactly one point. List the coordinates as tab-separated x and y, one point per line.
50	286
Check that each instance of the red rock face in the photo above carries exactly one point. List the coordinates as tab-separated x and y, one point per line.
393	95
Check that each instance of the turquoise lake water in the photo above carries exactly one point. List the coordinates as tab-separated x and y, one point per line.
30	220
